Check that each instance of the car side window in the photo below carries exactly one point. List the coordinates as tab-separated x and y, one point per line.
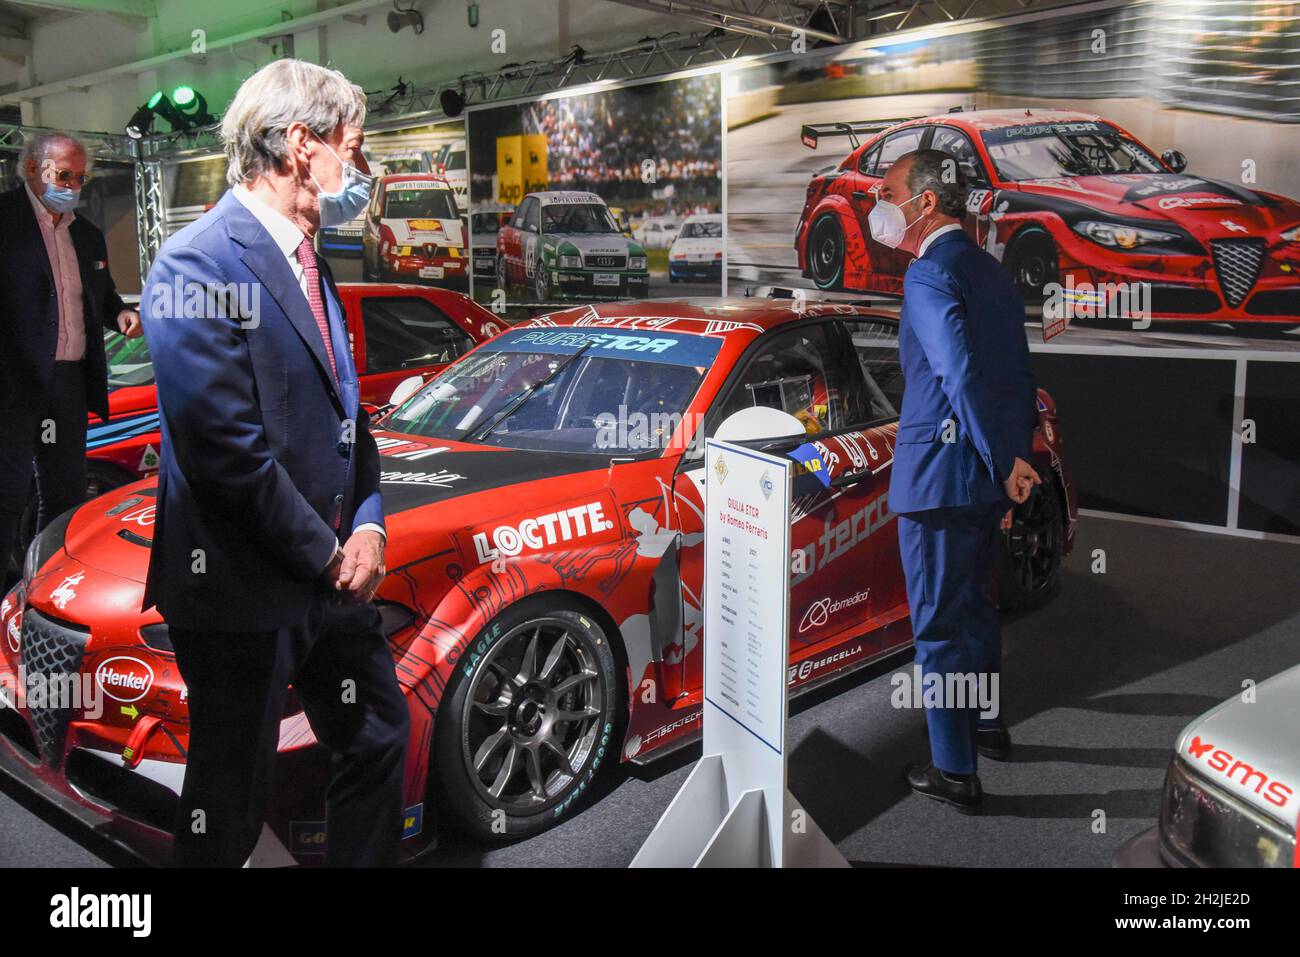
867	165
794	371
958	145
403	332
530	217
876	346
895	145
517	220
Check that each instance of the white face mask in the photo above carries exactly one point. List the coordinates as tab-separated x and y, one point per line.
887	223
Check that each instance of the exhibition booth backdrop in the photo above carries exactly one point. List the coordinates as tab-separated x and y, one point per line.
735	178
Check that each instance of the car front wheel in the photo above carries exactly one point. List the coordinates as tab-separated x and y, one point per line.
1033	262
528	720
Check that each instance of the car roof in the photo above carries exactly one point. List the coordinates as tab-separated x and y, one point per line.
981	120
551	196
703	218
432	178
742	317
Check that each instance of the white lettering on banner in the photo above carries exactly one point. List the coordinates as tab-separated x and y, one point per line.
837	539
536	533
599	340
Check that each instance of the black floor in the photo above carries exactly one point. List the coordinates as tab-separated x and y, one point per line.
1095	687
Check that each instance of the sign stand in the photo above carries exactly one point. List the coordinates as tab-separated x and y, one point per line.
734	809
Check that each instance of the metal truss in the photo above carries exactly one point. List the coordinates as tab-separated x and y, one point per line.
830	21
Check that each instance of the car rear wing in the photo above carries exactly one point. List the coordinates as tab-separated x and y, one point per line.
810	134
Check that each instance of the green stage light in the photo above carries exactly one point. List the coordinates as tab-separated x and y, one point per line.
183	96
154	100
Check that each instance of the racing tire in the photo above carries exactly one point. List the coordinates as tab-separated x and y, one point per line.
506	765
1033	263
541	282
502	276
826	252
1030	552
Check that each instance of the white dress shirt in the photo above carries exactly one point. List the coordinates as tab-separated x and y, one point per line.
287	237
925	243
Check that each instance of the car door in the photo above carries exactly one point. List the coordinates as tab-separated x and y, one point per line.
804	370
886	265
403	336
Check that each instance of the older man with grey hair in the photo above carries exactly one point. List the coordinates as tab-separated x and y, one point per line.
56	299
269	540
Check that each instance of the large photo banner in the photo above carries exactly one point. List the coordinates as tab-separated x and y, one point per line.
1131	165
611	194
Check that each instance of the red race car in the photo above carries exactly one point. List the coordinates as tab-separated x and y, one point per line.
545	524
397	331
1069	198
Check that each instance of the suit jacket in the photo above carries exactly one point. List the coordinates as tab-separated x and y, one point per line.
261	451
966	368
29	306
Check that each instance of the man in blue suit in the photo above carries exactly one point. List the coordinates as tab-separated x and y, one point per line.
960	459
269	539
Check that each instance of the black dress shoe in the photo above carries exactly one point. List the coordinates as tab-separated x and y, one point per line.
963	793
993	741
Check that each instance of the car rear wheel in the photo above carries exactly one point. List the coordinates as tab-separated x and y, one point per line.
826	252
1029	561
541	282
528	720
1033	262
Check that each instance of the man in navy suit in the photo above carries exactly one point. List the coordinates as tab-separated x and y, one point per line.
269	538
960	459
56	299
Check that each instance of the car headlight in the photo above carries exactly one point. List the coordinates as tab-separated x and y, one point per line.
638	262
1120	236
1203	826
1292	235
570	262
44	546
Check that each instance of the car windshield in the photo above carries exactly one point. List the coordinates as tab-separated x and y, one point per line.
419	202
1054	150
487	222
128	361
565	390
577	218
706	230
455	160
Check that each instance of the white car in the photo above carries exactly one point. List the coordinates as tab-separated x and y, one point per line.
456	172
696	253
656	232
1232	792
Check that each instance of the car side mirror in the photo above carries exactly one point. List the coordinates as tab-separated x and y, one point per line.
1175	160
405	389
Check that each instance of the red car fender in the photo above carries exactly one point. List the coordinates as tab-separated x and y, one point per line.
857	256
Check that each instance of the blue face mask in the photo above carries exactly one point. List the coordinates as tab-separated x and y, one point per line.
60	199
347	202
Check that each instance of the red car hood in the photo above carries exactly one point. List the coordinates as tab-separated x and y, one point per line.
131	399
1203	207
432	489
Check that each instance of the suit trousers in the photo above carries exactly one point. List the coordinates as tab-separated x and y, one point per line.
236	683
948	562
47	437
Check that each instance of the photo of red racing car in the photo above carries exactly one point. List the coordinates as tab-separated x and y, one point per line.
543	603
1069	198
396	330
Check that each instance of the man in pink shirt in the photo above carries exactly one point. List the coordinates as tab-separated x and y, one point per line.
56	299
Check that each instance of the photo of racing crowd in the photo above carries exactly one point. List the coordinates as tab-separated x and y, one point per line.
607	195
1130	211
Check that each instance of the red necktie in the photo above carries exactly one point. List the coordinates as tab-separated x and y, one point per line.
307	259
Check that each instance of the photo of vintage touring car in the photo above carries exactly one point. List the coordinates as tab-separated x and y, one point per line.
397	330
545	518
1068	198
567	244
696	253
414	233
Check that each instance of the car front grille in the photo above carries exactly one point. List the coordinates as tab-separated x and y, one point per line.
1237	262
53	650
605	262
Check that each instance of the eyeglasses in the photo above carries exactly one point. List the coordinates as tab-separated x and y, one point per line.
65	177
